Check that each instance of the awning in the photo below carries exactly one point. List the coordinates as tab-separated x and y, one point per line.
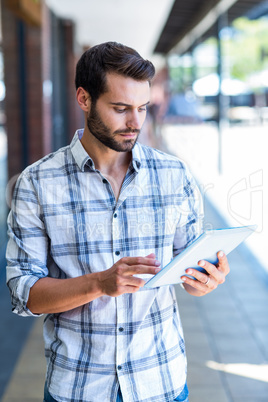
191	20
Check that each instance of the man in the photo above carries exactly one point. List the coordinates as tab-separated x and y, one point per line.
89	223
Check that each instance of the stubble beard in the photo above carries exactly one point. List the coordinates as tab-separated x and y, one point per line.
103	134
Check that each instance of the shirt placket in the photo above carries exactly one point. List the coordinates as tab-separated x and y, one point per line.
121	346
120	305
116	236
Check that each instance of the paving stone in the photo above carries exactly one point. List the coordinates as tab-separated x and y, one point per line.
243	387
199	376
27	381
249	399
208	395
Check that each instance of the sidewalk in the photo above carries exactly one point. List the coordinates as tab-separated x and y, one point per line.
226	336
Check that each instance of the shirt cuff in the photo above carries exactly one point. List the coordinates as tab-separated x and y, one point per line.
22	290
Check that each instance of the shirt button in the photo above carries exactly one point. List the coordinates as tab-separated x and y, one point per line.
104	181
119	367
120	329
115	215
117	253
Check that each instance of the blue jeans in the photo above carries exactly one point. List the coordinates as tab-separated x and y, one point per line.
47	396
183	397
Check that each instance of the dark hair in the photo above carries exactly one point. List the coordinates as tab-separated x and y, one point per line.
107	57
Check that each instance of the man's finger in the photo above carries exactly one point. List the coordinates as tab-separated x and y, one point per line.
197	284
137	269
211	270
150	261
152	255
223	264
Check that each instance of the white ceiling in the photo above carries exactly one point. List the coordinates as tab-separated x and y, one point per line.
136	23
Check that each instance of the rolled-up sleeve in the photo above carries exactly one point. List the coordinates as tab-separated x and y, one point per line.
27	245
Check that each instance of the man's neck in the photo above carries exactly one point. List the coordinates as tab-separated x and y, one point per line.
106	160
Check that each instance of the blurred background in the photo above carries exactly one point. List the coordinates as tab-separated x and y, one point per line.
209	106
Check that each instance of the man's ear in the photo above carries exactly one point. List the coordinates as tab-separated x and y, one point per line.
83	99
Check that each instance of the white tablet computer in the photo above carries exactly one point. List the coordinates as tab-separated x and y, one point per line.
205	247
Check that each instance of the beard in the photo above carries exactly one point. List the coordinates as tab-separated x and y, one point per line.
103	133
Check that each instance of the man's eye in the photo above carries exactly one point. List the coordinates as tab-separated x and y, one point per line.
120	110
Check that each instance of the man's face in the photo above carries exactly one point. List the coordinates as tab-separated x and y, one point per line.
118	115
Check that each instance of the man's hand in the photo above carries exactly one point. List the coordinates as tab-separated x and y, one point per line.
205	283
120	277
51	295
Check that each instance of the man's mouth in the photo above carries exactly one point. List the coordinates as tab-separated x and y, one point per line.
128	133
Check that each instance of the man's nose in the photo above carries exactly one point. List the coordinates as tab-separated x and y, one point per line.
134	120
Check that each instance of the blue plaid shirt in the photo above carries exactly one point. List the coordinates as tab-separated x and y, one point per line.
65	222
